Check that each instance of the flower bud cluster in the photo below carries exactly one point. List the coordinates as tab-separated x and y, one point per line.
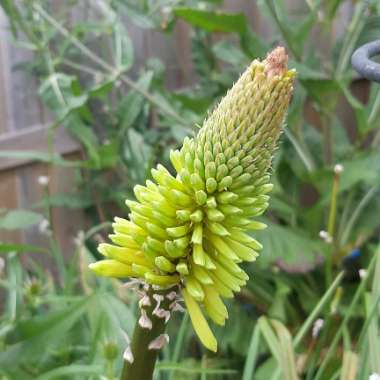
192	229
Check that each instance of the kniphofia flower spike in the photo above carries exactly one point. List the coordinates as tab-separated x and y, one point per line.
192	230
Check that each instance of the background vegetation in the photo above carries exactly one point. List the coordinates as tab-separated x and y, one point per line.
71	324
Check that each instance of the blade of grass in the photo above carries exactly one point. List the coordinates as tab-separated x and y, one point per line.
193	370
346	339
70	371
323	338
303	154
373	335
318	308
283	29
279	342
350	366
359	292
204	366
15	279
270	337
20	248
364	371
288	363
356	213
353	31
253	351
179	342
314	314
370	315
376	278
372	308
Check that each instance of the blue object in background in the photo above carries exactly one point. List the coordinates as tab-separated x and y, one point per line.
351	265
354	255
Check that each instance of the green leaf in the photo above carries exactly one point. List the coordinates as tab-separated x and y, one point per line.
287	355
63	94
349	365
266	370
228	52
278	306
123	47
252	45
307	71
57	92
109	154
101	89
293	31
31	338
72	370
194	103
370	31
270	337
20	248
192	368
131	106
137	155
279	342
180	340
373	332
235	339
19	219
360	168
358	107
45	324
291	249
317	310
331	7
69	200
323	91
87	137
213	21
252	354
33	155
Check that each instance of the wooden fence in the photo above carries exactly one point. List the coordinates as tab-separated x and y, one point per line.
23	119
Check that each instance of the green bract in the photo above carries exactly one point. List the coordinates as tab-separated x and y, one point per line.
191	229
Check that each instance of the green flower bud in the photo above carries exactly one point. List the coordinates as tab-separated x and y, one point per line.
110	350
190	230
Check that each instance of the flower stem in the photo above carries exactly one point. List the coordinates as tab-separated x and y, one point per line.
144	359
331	228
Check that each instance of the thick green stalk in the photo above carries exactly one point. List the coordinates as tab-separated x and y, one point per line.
144	359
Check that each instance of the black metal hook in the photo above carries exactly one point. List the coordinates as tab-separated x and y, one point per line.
363	64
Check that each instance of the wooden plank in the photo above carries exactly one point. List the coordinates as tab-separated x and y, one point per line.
34	138
24	90
66	222
182	32
8	180
9	200
31	192
6	120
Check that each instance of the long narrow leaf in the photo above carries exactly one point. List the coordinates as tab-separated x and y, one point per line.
270	337
70	370
250	361
320	306
359	292
288	364
350	366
